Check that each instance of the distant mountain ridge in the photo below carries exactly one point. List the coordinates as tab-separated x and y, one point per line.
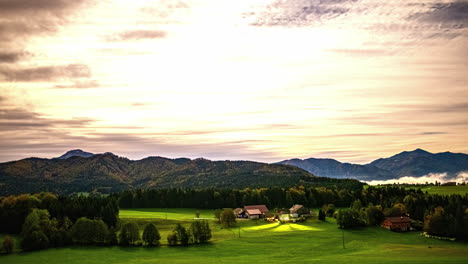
414	163
108	173
335	169
76	153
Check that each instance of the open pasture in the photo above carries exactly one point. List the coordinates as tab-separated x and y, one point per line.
257	241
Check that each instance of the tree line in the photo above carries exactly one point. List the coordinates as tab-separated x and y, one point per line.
441	215
15	208
275	197
437	215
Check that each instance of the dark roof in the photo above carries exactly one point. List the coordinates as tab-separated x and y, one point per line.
398	219
260	207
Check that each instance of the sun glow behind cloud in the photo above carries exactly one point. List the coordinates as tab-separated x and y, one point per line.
264	80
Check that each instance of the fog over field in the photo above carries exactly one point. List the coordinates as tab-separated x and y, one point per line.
429	178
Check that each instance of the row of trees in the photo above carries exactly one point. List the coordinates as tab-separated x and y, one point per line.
274	197
15	208
199	232
445	216
40	232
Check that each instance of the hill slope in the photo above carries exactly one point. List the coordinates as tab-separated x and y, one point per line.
335	169
420	162
108	172
408	163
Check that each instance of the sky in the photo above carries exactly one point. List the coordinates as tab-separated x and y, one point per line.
263	80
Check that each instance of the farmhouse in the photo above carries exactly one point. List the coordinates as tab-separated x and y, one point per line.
401	223
255	211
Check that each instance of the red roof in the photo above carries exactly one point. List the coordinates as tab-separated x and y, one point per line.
401	219
254	212
261	207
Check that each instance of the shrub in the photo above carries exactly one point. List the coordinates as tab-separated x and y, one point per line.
172	239
130	234
201	231
8	244
348	218
151	235
86	231
227	218
35	240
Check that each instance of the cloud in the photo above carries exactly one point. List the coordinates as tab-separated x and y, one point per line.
10	57
53	142
17	119
85	84
137	35
46	73
298	13
23	6
21	20
433	133
360	52
429	178
455	13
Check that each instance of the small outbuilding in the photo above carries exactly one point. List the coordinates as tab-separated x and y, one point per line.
239	213
399	223
299	210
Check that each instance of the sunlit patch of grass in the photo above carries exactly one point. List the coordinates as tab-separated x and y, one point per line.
304	228
283	228
262	227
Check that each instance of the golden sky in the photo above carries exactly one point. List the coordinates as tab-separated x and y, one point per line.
264	80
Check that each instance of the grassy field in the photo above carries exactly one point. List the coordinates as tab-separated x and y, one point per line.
445	190
442	190
311	242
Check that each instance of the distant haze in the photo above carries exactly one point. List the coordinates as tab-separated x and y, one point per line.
264	80
430	178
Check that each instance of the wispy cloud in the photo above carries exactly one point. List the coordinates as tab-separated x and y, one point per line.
137	35
298	13
46	73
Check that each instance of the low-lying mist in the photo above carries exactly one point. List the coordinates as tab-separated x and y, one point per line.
429	178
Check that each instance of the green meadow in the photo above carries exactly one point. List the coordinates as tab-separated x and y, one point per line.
257	241
446	190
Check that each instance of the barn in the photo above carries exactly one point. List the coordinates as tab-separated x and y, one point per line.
255	211
401	223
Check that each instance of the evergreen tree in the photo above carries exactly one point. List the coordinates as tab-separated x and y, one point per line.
321	215
182	235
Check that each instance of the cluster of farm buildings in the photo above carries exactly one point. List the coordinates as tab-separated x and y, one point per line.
300	213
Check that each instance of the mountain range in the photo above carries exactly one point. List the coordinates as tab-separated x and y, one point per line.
414	163
79	171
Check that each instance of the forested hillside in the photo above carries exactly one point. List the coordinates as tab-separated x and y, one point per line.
110	173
